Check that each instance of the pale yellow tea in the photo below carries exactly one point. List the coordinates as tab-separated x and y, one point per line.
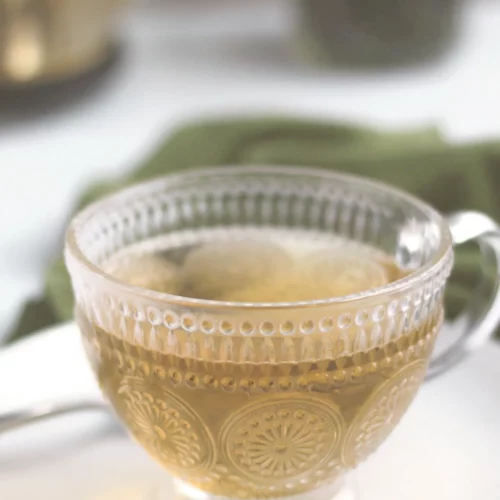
251	407
254	266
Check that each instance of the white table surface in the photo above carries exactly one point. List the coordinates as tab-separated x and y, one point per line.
184	61
446	448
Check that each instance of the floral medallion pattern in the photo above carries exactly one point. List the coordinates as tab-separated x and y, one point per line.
381	412
165	426
282	439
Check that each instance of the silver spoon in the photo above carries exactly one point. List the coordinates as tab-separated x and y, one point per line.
19	418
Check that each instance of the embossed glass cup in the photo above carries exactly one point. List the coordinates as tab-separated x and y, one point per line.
264	400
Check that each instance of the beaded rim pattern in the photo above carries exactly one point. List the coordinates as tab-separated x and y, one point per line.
414	306
351	206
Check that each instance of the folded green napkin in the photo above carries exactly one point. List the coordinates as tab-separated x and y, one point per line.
420	161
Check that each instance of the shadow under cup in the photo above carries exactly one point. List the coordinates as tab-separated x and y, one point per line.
260	400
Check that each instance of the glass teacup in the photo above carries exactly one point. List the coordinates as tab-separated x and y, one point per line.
281	396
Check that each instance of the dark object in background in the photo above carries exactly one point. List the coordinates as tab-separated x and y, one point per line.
49	41
20	103
378	32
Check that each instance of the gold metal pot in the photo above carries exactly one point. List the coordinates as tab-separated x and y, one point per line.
43	41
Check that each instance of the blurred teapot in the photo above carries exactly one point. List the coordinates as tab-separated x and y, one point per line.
45	41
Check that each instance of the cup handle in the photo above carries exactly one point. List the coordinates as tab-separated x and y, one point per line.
481	316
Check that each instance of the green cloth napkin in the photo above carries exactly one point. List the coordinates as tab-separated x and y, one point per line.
420	161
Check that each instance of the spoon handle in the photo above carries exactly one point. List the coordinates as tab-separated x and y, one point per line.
18	418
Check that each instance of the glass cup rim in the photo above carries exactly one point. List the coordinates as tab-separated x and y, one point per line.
72	249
